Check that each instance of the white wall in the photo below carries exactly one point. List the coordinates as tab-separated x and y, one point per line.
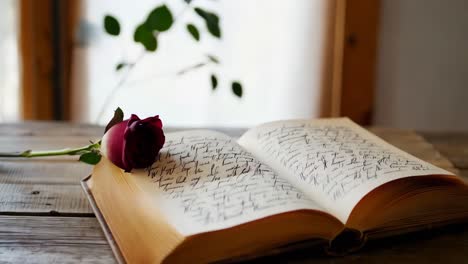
422	80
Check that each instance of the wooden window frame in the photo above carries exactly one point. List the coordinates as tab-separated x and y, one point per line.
354	59
46	42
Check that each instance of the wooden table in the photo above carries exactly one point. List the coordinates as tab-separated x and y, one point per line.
45	217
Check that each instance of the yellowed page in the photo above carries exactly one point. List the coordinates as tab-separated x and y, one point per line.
333	161
204	181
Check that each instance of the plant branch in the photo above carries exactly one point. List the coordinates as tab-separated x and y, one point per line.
193	67
173	73
118	86
130	68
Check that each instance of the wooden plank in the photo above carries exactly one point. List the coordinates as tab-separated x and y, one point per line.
31	128
42	185
453	145
15	143
32	239
39	187
36	171
59	254
42	199
50	230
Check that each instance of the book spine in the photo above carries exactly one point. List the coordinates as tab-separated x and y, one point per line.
347	241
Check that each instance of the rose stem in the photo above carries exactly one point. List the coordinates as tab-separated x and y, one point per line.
45	153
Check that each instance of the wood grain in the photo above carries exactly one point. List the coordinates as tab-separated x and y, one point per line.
42	185
452	145
32	128
58	254
36	193
34	239
14	143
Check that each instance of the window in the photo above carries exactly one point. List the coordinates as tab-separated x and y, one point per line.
279	50
9	68
290	58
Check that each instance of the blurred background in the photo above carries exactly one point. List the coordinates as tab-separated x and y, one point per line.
393	63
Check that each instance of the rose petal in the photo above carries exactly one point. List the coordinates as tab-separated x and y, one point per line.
134	143
112	144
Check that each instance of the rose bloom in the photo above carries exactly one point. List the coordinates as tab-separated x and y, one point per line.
133	143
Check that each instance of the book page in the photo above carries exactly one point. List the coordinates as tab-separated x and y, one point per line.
333	161
205	181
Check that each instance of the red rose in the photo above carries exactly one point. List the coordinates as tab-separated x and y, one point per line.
133	143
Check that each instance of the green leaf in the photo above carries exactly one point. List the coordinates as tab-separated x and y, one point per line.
237	89
92	158
192	29
211	20
141	32
212	58
160	19
145	37
119	66
111	25
118	117
214	81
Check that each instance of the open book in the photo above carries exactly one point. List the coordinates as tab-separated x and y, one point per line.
210	198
